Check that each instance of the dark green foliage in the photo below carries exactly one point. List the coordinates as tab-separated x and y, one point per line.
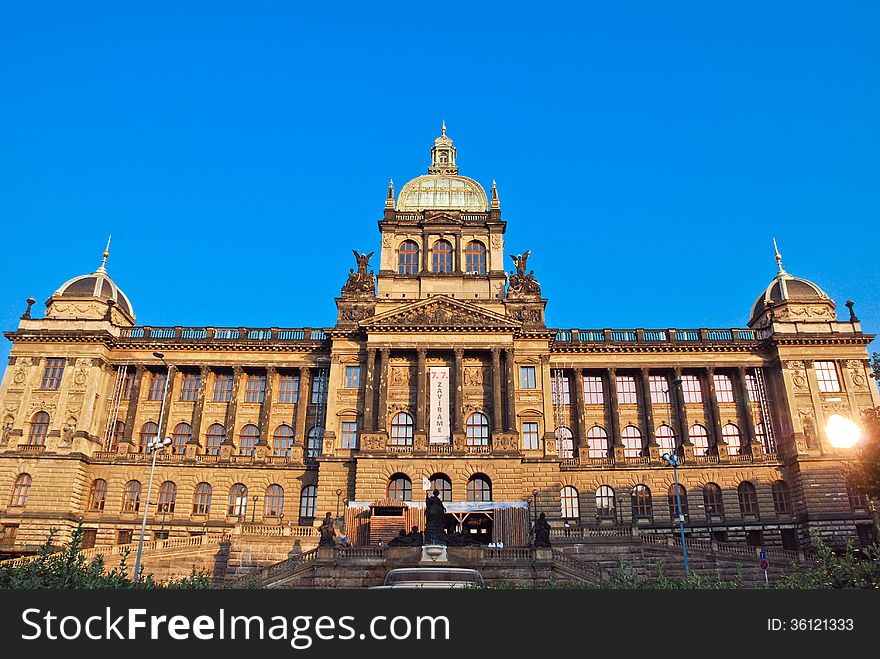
864	473
849	570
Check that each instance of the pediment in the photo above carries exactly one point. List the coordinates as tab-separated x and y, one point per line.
441	313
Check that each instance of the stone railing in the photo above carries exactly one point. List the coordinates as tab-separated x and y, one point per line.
280	570
223	335
727	548
508	553
276	530
586	532
648	337
584	569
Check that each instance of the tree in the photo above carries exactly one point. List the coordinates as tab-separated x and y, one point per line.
864	472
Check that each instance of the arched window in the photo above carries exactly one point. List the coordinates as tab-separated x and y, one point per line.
632	442
674	500
781	498
215	437
564	443
20	490
400	487
149	432
570	503
731	435
699	437
238	495
97	495
167	497
282	440
605	507
477	428
408	258
666	439
202	499
247	439
308	498
118	434
712	500
441	483
274	501
857	500
441	256
314	442
183	432
761	437
402	429
748	499
131	497
475	257
39	429
597	440
642	503
479	488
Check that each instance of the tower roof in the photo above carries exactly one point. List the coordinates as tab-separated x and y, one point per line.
96	284
784	288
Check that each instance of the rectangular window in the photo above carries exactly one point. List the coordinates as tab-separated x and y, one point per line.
690	387
559	388
659	386
222	387
527	377
593	390
157	386
123	537
319	388
723	388
530	436
127	385
52	374
626	390
190	389
256	388
288	391
349	434
826	374
89	537
352	377
752	386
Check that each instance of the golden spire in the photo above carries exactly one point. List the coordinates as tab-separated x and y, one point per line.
778	258
494	202
443	128
389	200
106	254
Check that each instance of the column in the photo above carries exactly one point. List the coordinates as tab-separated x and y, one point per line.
302	403
370	392
171	375
496	389
511	389
204	373
675	390
648	407
232	406
266	407
707	376
458	403
131	412
744	406
382	412
580	416
613	410
426	266
421	389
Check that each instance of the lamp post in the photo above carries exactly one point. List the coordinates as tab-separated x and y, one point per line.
338	496
672	460
281	519
155	445
535	506
241	511
254	508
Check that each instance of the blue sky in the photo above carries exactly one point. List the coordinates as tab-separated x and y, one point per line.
647	153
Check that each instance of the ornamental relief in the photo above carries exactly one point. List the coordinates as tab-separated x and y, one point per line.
80	374
799	380
793	365
836	408
800	311
496	241
473	376
394	408
42	405
372	443
505	443
400	376
19	376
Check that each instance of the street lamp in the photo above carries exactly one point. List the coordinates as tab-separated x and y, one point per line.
338	495
535	506
672	460
254	508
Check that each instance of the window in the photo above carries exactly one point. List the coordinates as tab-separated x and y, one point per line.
666	439
319	387
659	387
723	388
282	440
748	499
632	442
530	435
400	487
605	508
441	257
761	437
97	495
308	499
752	387
857	500
443	485
626	390
826	374
314	442
123	536
238	494
256	388
202	499
247	439
349	434
52	374
730	433
593	390
408	258
690	387
479	488
402	429
642	504
564	443
215	437
527	377
677	495
274	501
570	503
131	497
477	429
149	432
39	429
118	434
157	386
475	258
781	498
352	377
127	385
223	387
712	500
167	497
288	390
699	437
559	388
20	490
89	537
189	390
181	435
597	440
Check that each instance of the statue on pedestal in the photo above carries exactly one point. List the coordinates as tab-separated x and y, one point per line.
541	530
434	514
328	533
